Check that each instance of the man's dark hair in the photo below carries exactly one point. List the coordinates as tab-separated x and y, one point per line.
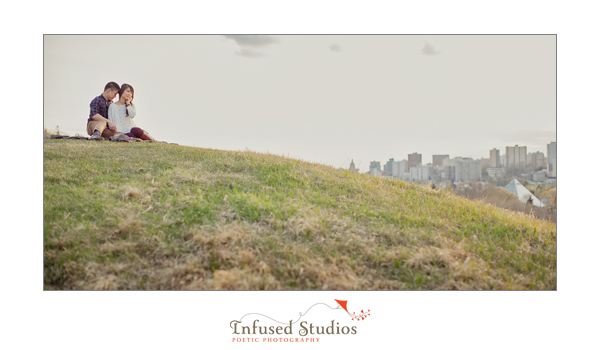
112	85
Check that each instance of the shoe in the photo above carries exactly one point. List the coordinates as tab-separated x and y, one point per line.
96	136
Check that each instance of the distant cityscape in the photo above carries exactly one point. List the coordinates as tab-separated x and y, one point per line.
535	168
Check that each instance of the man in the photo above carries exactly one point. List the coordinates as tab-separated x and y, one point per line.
98	125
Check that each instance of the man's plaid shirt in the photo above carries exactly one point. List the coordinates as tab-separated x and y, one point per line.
99	105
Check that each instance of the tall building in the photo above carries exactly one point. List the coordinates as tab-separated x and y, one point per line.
495	158
420	173
387	168
375	168
353	167
468	169
414	160
450	172
552	159
516	157
452	161
438	159
399	169
535	159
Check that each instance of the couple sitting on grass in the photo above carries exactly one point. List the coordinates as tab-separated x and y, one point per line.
115	120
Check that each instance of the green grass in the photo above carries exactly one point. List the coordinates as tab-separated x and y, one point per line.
158	216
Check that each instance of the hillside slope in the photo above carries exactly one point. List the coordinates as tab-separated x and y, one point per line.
158	216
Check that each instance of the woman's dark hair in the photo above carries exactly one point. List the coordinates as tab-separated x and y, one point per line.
122	91
123	88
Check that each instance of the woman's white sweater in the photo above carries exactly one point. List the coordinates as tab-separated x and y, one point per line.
118	115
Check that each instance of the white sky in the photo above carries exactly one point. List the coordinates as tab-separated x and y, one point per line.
324	99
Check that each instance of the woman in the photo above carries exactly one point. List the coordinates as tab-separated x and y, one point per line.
122	113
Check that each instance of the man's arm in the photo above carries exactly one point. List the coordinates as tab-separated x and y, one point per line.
94	108
110	124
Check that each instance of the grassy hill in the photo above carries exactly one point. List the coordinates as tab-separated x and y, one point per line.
159	216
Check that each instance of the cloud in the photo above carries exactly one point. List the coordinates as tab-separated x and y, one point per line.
335	48
428	49
252	40
249	43
248	53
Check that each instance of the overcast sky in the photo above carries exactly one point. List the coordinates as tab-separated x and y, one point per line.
324	99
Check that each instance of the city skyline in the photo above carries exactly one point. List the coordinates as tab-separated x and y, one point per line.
533	167
426	161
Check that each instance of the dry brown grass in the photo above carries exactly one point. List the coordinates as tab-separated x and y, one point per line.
170	218
131	192
235	256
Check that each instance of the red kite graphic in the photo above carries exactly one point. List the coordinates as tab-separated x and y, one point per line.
359	317
342	303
